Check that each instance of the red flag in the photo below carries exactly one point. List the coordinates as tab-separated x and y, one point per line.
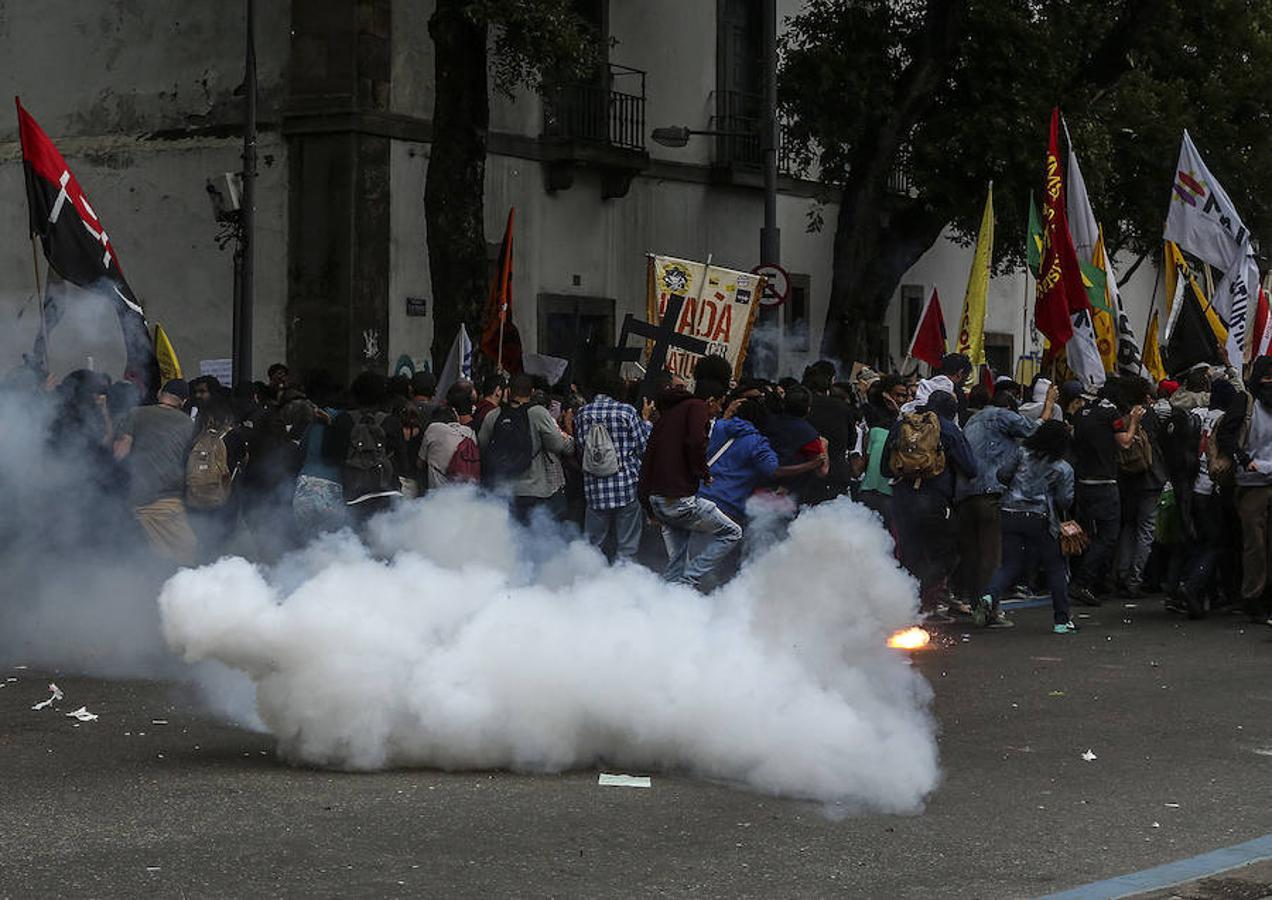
499	331
929	338
1261	339
1060	289
76	244
987	379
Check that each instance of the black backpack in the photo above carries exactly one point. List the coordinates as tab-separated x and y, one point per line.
367	466
510	449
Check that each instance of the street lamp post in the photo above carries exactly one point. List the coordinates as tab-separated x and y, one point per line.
245	253
770	235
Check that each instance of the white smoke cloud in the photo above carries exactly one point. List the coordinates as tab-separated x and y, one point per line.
459	640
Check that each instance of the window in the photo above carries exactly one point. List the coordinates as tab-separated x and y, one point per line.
739	81
797	314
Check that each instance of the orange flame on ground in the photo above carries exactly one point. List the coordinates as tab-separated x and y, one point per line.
913	638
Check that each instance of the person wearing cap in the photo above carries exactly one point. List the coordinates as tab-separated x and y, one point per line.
1100	428
153	443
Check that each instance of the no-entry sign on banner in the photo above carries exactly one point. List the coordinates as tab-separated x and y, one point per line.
719	308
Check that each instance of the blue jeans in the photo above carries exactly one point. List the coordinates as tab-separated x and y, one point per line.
626	522
1028	544
681	518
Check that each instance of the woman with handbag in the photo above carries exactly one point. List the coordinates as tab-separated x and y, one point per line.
1034	532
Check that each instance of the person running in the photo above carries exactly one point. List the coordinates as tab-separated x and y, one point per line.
674	468
1041	487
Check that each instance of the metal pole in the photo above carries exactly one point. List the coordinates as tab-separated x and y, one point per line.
242	351
770	236
39	298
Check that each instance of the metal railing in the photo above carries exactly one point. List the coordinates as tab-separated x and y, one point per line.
609	112
742	115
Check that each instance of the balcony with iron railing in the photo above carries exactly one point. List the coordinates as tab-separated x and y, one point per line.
599	124
608	112
739	117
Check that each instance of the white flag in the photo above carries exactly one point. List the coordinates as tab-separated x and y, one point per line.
459	362
1233	299
1083	353
1082	226
1130	355
1202	219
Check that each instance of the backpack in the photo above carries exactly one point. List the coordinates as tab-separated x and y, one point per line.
510	449
1138	457
208	475
600	458
367	466
1222	467
917	453
465	463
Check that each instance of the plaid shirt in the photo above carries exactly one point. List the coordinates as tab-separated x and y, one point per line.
629	433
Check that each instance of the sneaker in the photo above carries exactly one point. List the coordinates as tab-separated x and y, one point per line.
999	620
1066	628
936	617
960	607
1175	601
983	612
1083	595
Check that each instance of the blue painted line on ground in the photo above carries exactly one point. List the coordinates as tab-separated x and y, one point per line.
1026	604
1170	874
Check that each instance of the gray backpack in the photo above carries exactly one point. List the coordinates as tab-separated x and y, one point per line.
600	458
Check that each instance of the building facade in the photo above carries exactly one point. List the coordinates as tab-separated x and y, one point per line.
151	109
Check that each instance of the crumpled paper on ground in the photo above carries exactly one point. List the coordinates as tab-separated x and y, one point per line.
55	695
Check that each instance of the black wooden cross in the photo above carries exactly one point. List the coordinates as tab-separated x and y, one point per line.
664	336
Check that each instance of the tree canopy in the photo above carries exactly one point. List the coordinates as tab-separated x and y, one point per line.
953	93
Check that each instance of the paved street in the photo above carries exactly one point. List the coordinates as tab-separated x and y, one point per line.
1178	714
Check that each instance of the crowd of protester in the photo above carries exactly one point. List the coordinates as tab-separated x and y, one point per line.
990	493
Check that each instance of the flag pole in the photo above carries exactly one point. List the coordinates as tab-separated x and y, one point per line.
39	299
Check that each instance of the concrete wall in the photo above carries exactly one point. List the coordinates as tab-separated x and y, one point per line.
137	97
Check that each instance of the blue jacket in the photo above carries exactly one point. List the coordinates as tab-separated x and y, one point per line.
747	464
958	459
1038	485
994	434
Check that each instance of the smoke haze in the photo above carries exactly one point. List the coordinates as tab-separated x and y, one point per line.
454	638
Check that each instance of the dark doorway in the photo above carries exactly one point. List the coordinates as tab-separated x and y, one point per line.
576	329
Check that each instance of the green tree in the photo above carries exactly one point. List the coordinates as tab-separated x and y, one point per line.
933	98
533	41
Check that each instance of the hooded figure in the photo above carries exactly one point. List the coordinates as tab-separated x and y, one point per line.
928	386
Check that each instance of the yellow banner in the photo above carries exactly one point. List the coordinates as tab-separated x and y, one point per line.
169	365
971	327
719	308
1153	352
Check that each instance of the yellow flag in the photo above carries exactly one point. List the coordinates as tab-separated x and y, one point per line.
971	328
169	365
1102	319
1169	273
1153	353
1179	268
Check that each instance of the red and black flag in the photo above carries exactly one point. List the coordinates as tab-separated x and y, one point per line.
500	340
77	246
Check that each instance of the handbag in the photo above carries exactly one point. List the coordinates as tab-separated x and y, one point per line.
1073	539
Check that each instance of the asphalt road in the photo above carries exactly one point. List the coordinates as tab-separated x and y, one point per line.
1178	714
